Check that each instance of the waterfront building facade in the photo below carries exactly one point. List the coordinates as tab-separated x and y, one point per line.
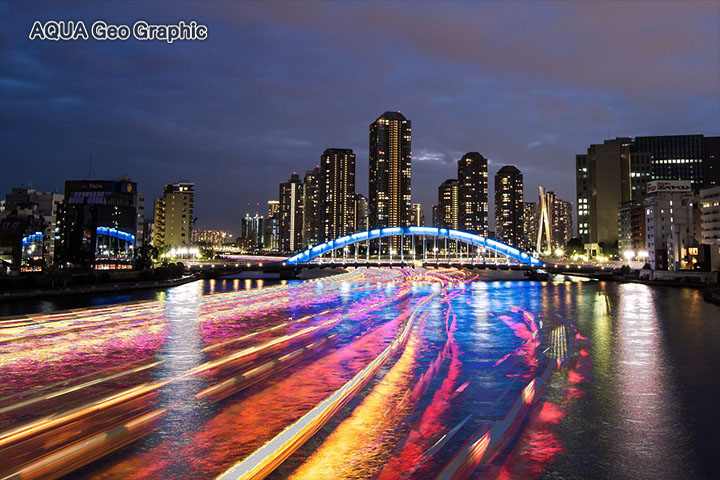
39	211
669	231
710	215
174	215
97	225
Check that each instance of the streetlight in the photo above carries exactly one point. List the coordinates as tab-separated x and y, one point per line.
628	254
559	252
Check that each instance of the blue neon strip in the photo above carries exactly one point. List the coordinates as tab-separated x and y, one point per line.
32	238
112	232
358	237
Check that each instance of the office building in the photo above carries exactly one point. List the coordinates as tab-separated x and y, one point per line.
21	241
509	205
448	208
674	157
710	227
312	212
97	224
337	193
174	217
710	215
473	193
40	211
390	171
603	184
291	215
669	230
617	172
711	161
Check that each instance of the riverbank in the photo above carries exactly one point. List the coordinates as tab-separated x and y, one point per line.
712	295
116	287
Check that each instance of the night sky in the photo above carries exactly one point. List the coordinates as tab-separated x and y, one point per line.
277	83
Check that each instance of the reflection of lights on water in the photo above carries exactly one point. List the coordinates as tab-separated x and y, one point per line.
435	288
345	287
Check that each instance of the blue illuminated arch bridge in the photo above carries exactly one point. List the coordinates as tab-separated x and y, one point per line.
482	245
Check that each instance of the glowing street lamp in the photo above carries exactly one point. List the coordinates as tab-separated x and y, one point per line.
628	254
559	252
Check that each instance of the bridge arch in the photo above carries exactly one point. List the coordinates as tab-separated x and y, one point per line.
356	238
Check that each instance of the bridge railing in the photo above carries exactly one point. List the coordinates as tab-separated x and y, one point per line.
356	239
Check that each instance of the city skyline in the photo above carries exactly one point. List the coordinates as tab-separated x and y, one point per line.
252	115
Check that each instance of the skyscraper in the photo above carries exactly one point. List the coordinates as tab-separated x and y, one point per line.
473	193
272	226
174	216
531	221
311	208
390	171
448	205
253	232
509	205
337	193
291	214
418	217
361	212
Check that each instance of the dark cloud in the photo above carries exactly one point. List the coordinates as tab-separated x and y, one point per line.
278	82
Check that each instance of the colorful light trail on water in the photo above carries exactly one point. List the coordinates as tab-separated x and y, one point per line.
373	373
